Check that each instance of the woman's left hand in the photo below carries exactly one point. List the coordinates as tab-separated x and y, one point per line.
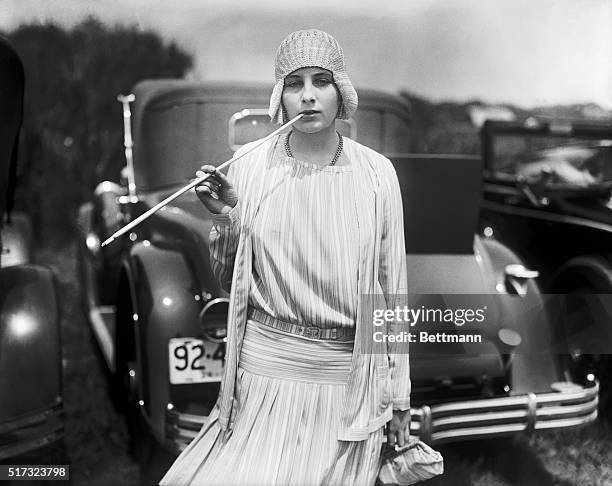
398	429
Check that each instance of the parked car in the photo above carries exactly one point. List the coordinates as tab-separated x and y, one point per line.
160	316
31	408
547	194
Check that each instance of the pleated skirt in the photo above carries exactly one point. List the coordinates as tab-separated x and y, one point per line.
289	395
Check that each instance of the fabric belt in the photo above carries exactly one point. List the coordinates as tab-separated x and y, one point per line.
308	332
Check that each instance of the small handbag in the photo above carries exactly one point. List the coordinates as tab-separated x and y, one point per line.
413	462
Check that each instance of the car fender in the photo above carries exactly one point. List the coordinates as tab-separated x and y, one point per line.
167	303
30	343
528	356
87	248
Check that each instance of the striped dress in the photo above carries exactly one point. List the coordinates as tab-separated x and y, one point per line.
289	388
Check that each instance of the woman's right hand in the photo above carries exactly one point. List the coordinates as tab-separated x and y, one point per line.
216	193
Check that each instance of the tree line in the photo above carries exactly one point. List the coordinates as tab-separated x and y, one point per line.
72	135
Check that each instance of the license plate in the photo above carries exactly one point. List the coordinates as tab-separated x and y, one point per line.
194	360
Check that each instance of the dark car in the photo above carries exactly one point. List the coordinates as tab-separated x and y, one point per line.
160	316
547	194
31	408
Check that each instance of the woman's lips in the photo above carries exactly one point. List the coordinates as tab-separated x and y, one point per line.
309	114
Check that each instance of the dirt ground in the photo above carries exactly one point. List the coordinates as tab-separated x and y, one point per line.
97	440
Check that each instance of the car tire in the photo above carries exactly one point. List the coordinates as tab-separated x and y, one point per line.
588	275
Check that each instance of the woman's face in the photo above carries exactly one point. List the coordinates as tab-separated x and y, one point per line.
311	90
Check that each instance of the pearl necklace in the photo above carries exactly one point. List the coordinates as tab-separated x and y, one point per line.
335	157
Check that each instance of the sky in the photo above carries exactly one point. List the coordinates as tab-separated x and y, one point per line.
525	52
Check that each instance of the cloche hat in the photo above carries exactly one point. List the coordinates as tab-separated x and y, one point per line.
311	48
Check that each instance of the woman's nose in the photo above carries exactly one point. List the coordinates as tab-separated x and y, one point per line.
308	94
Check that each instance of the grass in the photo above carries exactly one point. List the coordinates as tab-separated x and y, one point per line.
96	439
583	456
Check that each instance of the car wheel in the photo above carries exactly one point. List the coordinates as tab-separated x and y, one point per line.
579	278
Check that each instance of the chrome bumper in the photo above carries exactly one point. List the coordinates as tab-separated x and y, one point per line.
505	416
31	431
465	420
181	428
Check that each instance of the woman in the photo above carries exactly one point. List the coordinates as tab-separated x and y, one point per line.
304	226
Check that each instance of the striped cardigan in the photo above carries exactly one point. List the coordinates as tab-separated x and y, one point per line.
379	380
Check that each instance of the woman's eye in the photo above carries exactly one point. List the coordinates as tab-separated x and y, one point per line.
292	84
322	82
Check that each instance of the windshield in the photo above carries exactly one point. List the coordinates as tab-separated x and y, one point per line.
568	161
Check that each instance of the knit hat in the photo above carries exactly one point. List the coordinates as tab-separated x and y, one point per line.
311	48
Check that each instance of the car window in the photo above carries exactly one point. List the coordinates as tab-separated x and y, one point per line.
549	159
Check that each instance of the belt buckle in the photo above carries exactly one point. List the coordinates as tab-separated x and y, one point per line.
313	332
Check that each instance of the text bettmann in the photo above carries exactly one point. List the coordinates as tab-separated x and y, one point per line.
425	337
